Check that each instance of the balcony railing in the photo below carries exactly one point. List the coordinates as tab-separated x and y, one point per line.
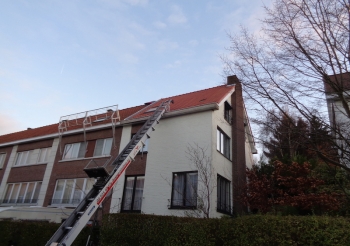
72	202
18	201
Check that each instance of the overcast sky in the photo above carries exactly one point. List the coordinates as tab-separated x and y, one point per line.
64	57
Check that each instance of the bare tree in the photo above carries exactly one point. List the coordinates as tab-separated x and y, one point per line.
206	179
300	54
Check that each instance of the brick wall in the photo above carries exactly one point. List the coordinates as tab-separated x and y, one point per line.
27	173
75	168
6	150
238	144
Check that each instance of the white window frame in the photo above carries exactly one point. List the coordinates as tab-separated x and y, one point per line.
76	155
46	153
14	198
71	200
181	192
223	143
104	151
144	147
2	159
223	195
23	158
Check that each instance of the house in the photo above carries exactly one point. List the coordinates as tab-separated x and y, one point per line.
337	91
42	176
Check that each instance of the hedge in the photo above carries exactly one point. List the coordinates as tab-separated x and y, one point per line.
25	233
138	229
131	229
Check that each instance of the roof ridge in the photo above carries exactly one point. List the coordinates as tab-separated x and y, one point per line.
196	91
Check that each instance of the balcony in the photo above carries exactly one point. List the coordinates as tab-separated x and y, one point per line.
18	202
65	202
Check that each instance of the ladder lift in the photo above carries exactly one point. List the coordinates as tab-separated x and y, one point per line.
71	227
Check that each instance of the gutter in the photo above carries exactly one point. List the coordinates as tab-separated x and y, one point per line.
207	107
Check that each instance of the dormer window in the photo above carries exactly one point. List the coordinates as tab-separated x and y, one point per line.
228	112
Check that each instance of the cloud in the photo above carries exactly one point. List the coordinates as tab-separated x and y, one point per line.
175	64
8	124
159	24
177	16
129	58
165	45
137	2
193	42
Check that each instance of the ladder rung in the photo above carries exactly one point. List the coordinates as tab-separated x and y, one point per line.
68	227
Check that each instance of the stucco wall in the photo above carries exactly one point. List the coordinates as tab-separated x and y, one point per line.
167	154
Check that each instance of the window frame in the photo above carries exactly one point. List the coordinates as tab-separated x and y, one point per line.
184	192
8	197
134	188
82	146
223	204
144	147
71	200
47	154
19	158
228	112
223	143
103	147
2	159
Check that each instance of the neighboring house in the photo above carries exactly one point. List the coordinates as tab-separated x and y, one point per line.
337	90
42	175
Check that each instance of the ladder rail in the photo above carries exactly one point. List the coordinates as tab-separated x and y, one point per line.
70	228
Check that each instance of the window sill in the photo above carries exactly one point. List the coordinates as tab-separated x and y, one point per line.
63	205
130	211
223	155
85	158
182	207
27	165
224	212
18	204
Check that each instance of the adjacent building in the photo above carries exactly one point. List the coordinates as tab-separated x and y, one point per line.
337	90
41	169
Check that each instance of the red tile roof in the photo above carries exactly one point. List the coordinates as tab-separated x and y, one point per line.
184	101
53	129
190	100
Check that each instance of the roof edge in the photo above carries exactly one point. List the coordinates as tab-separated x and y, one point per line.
207	107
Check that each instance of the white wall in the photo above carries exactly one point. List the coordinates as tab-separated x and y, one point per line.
117	192
167	154
222	165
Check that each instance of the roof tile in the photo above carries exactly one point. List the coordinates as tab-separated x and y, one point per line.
184	101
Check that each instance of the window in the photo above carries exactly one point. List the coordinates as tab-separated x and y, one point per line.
228	112
2	159
145	147
73	151
132	196
103	147
223	195
71	191
44	155
184	190
22	192
23	158
223	143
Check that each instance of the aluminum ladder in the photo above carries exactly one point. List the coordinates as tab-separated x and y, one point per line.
71	227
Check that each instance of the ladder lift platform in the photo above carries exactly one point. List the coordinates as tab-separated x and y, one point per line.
107	175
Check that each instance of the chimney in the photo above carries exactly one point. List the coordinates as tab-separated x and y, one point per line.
232	80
